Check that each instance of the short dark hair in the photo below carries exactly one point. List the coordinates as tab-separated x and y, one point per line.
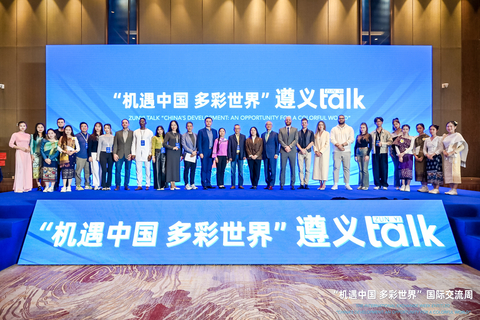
305	119
80	126
125	120
378	118
188	123
61	119
421	125
143	119
235	126
207	119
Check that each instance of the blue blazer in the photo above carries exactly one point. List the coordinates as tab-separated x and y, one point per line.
272	146
202	143
232	146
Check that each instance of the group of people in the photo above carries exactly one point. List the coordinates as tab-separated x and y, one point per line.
43	155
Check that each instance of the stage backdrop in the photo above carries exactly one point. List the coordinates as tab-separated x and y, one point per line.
244	84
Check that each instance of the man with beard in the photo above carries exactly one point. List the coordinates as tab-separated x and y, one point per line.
342	136
288	138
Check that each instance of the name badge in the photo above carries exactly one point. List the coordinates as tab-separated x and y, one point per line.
142	143
108	150
177	145
162	150
86	145
238	147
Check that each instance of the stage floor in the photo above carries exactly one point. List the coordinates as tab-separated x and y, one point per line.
240	292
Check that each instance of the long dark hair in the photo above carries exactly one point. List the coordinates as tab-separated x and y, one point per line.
35	135
170	126
94	136
393	124
250	131
64	135
156	132
218	142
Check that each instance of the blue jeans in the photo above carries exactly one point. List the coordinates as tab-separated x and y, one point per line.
206	173
118	172
237	162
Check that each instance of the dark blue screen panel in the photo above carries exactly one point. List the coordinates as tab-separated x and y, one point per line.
239	232
244	84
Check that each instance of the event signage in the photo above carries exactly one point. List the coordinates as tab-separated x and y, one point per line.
239	232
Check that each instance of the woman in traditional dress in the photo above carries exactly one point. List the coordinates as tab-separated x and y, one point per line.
49	152
321	147
35	142
68	147
420	161
172	145
432	149
455	150
159	159
363	146
20	141
396	132
404	150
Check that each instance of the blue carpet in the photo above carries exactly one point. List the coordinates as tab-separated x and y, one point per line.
463	210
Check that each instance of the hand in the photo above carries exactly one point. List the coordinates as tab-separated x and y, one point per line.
115	157
342	148
400	158
379	143
366	158
445	153
288	149
216	160
356	159
153	159
27	149
420	159
132	157
276	156
230	160
201	155
181	158
48	161
90	159
70	152
31	156
245	158
304	152
149	158
175	148
254	157
194	153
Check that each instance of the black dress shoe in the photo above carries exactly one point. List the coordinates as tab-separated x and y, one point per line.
252	187
127	188
301	187
205	188
266	187
211	187
306	186
281	187
292	188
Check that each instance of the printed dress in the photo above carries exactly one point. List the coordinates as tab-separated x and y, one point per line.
49	151
37	157
451	164
406	166
67	163
434	167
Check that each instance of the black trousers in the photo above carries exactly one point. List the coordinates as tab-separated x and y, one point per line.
106	162
189	172
380	169
254	166
159	170
221	165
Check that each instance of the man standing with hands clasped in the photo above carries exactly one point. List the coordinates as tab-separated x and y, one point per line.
342	136
288	138
206	137
142	152
304	155
122	153
236	155
270	154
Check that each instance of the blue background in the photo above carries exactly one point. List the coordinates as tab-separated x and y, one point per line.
395	81
283	249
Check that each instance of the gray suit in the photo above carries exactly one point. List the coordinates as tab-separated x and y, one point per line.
122	149
290	140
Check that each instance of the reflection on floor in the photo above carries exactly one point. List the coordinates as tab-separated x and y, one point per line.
240	292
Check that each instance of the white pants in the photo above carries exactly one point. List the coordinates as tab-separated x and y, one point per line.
139	165
304	161
96	171
341	158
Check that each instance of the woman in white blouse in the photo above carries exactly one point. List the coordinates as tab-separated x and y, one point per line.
432	149
404	150
455	150
321	148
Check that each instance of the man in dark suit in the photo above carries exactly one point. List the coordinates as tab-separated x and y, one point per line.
122	153
236	155
288	138
206	138
270	155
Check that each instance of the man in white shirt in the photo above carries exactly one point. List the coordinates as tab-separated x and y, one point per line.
342	136
142	152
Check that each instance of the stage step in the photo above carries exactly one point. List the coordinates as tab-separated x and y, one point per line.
12	232
467	235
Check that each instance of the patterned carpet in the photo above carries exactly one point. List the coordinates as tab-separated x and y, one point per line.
240	292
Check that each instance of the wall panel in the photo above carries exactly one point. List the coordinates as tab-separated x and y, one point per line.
218	21
426	22
281	22
187	21
31	22
8	26
249	21
343	22
64	22
312	21
402	22
154	21
94	21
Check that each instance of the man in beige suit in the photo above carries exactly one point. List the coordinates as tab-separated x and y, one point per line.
288	138
122	153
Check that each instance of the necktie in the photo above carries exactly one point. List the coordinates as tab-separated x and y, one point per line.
266	137
288	131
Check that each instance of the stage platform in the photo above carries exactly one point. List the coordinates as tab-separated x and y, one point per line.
240	292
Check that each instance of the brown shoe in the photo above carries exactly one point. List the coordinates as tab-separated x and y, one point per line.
240	187
232	187
138	188
117	188
146	188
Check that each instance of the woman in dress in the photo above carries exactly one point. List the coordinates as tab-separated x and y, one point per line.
420	160
363	147
404	150
104	155
93	155
159	159
49	152
172	145
432	149
455	150
254	150
220	147
396	132
35	142
68	147
321	147
20	141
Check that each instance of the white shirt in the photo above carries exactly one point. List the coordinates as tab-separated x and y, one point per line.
434	146
341	135
140	152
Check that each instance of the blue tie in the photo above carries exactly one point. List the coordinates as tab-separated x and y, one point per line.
288	131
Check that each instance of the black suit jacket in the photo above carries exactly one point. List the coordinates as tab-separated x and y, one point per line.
232	146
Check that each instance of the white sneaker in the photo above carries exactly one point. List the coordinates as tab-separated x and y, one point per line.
69	189
45	190
365	188
78	188
407	189
402	188
335	187
193	187
452	192
161	189
187	186
88	188
359	188
376	188
64	189
423	189
348	187
434	191
385	188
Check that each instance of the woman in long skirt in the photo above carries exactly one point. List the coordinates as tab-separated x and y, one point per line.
455	150
432	149
20	141
404	149
396	132
420	160
321	147
49	152
68	147
35	142
172	145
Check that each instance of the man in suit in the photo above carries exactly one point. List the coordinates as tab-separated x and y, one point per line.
288	138
122	153
206	138
236	155
270	155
